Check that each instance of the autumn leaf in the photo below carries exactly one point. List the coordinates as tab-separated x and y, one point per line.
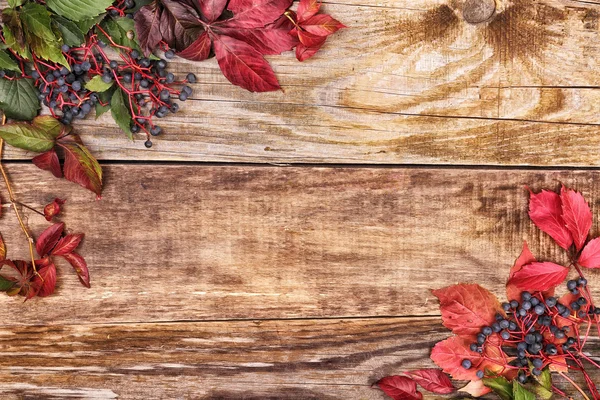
312	29
577	215
81	167
512	292
590	256
80	266
243	65
53	209
539	276
46	287
48	239
545	210
466	308
399	388
450	353
67	244
49	161
257	28
432	380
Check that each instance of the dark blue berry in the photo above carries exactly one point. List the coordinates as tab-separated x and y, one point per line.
551	301
466	364
539	309
65	48
479	374
191	78
537	362
148	143
169	54
572	284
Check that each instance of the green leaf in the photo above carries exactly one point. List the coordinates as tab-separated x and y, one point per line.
78	10
39	136
36	20
15	3
545	379
47	50
5	284
121	30
71	33
500	386
19	99
14	35
86	24
520	393
120	112
98	85
104	97
7	63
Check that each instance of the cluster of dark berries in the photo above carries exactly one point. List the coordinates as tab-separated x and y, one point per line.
120	8
536	329
149	89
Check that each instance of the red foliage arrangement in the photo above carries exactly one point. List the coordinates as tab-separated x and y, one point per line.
513	348
78	57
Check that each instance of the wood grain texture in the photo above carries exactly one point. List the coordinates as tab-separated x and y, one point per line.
306	359
408	82
174	243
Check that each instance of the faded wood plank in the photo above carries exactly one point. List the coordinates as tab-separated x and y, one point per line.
172	243
409	82
306	359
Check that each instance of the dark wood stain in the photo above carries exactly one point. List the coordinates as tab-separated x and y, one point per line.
523	30
438	25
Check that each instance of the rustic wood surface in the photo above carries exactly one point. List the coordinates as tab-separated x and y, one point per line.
410	81
218	275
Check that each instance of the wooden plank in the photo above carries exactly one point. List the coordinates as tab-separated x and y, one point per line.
408	82
173	243
305	359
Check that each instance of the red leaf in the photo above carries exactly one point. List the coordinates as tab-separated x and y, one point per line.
272	39
199	50
576	214
212	9
450	353
308	8
590	256
304	53
53	209
80	267
45	288
539	276
512	292
48	239
81	167
432	380
466	308
399	388
67	244
243	65
147	26
49	161
255	13
545	210
321	25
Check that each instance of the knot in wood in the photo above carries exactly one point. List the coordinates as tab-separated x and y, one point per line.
478	11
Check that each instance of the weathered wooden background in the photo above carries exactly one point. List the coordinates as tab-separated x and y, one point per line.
283	245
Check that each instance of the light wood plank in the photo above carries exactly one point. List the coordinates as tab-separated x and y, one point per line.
172	243
306	359
408	82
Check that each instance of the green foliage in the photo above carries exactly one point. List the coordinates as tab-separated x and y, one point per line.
19	99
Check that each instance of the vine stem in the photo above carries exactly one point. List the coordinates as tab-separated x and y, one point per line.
14	205
574	385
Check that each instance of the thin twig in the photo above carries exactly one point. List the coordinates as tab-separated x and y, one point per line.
574	385
14	205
